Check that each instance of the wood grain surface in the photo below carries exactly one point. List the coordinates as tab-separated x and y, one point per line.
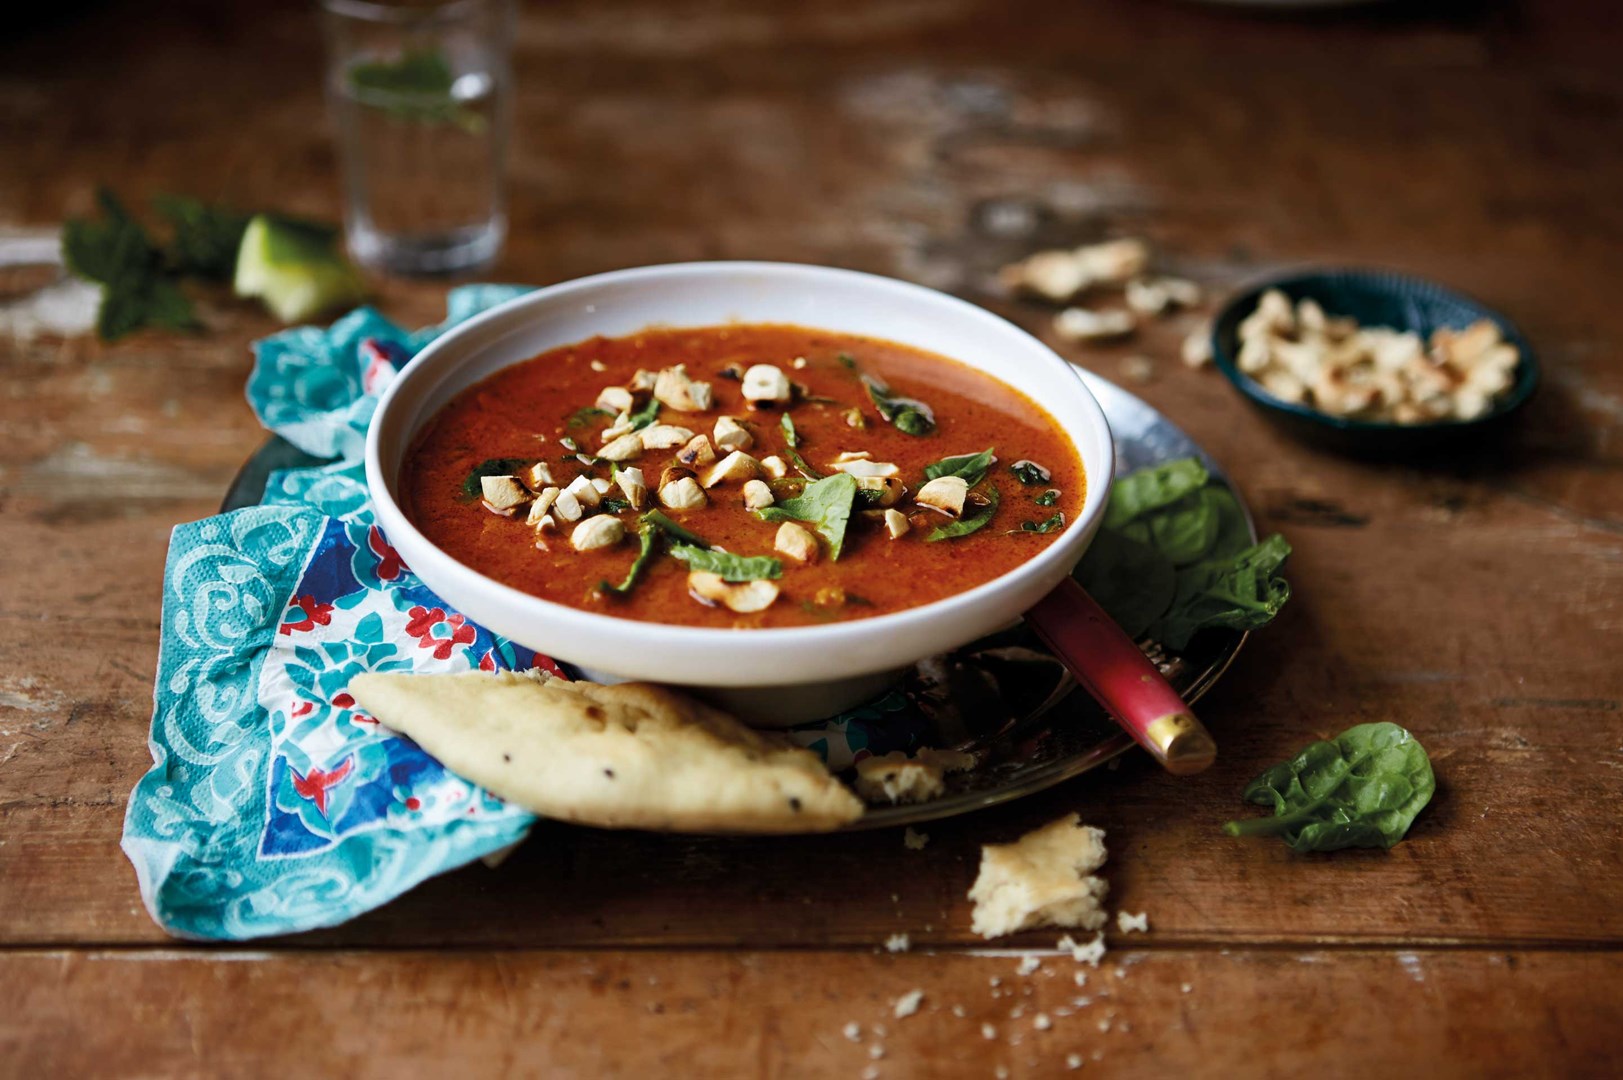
1476	599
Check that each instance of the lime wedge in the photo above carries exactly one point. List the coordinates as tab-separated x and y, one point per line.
296	268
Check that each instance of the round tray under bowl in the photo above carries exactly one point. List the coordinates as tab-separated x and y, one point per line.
1005	697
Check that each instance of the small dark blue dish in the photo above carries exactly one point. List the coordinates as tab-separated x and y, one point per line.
1374	298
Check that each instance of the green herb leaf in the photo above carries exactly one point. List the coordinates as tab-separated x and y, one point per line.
972	467
1132	581
615	506
206	238
825	504
910	416
792	440
659	520
1363	789
417	87
1185	531
117	252
645	415
1240	592
965	526
1150	489
846	360
581	417
649	534
1029	473
507	466
1047	498
1053	524
731	567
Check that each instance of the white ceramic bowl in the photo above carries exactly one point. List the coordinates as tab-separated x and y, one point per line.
775	675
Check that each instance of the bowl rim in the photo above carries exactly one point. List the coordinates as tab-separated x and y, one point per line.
1225	326
635	633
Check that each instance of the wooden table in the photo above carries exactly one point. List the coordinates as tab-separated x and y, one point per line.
1478	602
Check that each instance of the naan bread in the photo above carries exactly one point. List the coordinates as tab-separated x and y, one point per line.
630	756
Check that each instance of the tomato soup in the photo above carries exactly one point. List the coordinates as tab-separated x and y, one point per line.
742	476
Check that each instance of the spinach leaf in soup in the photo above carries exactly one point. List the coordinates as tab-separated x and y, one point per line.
507	466
1132	581
908	415
1361	789
1030	473
1053	524
645	415
1047	498
661	521
649	535
972	467
581	417
1240	592
1140	492
730	567
824	504
966	525
791	439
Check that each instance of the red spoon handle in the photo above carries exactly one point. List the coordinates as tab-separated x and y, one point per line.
1106	661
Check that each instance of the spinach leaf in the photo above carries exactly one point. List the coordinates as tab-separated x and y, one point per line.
613	505
1053	524
1233	534
645	415
965	526
649	534
846	360
505	466
1149	489
730	567
1030	473
972	467
825	504
910	416
1047	498
1241	592
581	417
1132	581
659	520
1185	531
791	440
1362	789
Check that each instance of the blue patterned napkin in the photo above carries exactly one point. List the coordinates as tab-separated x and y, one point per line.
273	804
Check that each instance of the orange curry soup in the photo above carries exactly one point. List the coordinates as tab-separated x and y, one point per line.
737	534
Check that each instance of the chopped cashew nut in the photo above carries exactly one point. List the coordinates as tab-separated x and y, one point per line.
1153	296
862	467
853	455
1082	324
766	385
683	494
544	523
757	495
944	493
597	532
731	435
623	448
743	597
1197	347
643	380
583	489
736	466
674	389
888	490
697	453
567	507
542	505
621	426
774	466
1060	275
603	486
896	524
503	493
616	399
797	542
632	486
538	476
663	436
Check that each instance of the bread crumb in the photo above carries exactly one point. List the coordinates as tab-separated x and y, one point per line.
988	1031
853	1031
1042	1022
1197	347
1090	954
876	1051
1138	369
908	1004
1044	878
958	1011
893	778
1185	988
1001	1072
1028	965
1127	923
915	841
1104	1025
871	1073
1017	1012
996	980
1081	978
898	943
1073	1061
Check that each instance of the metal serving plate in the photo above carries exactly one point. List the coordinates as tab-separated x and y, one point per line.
1005	697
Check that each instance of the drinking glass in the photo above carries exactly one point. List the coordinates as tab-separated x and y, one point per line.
421	97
